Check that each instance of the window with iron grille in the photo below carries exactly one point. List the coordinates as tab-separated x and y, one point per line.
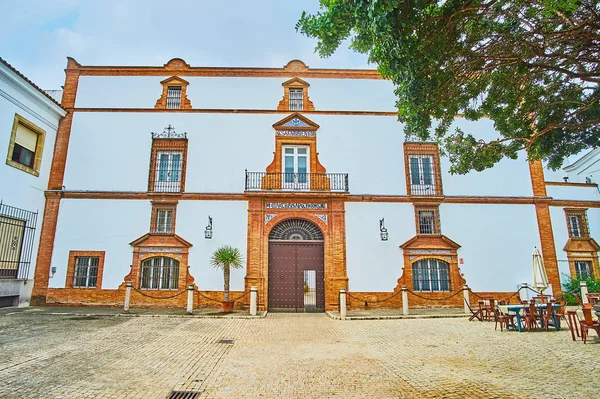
577	222
296	99
86	271
174	97
168	172
422	179
160	273
431	275
164	221
583	269
428	221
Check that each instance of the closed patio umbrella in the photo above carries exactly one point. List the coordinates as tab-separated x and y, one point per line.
540	279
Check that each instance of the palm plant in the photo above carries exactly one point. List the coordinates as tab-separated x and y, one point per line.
225	258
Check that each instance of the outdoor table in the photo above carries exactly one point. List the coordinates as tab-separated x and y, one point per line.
517	309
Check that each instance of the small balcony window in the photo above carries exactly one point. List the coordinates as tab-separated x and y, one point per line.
174	97
296	99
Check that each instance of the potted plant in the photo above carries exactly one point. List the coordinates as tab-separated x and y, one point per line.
225	258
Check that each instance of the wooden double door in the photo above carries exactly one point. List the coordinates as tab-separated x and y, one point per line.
296	275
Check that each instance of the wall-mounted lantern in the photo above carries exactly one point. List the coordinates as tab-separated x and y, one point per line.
208	231
383	230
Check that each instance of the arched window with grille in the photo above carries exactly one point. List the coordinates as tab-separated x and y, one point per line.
431	275
160	273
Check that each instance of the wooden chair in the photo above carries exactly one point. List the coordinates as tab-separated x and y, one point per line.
504	319
546	315
572	323
491	309
475	314
531	316
560	311
588	324
593	299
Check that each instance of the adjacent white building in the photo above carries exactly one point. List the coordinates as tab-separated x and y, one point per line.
29	118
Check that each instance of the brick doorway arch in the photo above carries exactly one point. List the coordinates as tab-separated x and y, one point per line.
296	266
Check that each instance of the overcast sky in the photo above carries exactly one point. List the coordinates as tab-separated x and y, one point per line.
36	36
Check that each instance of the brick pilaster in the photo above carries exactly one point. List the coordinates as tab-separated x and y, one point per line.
55	182
544	221
44	256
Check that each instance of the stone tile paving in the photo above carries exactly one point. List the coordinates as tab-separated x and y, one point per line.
287	356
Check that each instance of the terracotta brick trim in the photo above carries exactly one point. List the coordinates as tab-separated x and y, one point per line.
294	68
236	111
561	183
73	255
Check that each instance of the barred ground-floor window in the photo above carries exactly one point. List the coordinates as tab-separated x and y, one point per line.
86	271
160	273
431	275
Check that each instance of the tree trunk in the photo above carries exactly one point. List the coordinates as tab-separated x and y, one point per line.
226	282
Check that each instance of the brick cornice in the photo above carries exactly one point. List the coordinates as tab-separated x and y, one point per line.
179	67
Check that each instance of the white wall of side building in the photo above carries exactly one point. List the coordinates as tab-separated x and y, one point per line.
110	225
19	188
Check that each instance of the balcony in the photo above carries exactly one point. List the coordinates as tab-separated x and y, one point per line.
311	182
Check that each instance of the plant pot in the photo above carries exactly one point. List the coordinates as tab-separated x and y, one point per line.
227	307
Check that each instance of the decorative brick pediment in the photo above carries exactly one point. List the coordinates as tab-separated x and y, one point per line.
295	121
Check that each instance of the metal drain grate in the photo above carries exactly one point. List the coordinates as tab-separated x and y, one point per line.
225	341
184	395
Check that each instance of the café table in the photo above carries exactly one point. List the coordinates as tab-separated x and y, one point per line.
517	309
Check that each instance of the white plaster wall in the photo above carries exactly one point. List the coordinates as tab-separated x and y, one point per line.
234	93
111	151
497	242
110	225
230	227
18	188
99	225
573	193
374	265
507	178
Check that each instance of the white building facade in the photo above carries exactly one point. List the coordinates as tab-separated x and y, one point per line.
29	120
306	171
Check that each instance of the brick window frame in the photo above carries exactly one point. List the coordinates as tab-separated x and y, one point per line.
174	81
421	150
163	206
167	145
577	222
295	84
73	255
34	169
422	229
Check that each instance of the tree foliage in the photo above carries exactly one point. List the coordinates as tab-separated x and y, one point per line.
532	66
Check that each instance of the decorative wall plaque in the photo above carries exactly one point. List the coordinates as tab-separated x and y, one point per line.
296	133
160	249
294	205
323	218
430	251
268	217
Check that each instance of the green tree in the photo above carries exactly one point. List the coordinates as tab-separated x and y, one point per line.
225	258
532	66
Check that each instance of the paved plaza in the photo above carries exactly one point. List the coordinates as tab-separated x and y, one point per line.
287	356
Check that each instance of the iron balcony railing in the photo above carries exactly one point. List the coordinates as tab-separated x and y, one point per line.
263	181
17	233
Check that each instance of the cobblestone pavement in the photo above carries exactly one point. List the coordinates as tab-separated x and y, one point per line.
287	356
